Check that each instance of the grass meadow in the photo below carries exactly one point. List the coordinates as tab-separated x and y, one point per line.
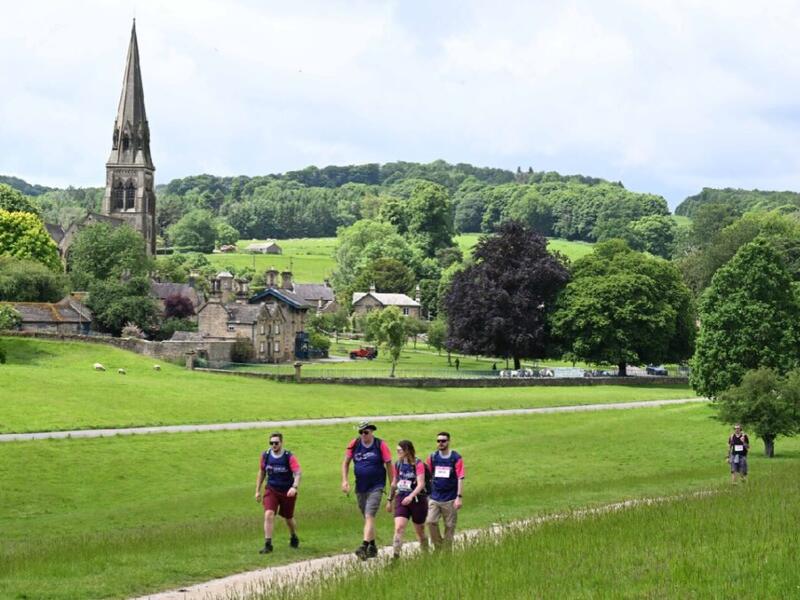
741	541
96	518
51	385
311	259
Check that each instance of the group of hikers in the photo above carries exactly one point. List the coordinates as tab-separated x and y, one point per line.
422	491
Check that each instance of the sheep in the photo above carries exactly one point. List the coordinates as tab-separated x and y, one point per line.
156	367
121	371
99	367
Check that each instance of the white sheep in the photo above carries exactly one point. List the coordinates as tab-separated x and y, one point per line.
121	371
156	367
99	367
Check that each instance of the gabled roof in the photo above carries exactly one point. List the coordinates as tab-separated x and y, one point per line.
282	295
386	299
311	292
63	311
56	231
243	313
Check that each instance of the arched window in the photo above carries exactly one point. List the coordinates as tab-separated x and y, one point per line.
130	195
117	197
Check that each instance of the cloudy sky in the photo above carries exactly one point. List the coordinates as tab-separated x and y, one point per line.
667	96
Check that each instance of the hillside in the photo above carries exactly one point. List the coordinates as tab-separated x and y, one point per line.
741	200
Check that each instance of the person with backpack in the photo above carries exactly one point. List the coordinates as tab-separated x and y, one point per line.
447	483
738	445
408	495
372	463
280	469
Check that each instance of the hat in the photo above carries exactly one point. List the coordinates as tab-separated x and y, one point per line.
366	425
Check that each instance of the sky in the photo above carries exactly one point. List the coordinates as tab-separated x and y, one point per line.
666	96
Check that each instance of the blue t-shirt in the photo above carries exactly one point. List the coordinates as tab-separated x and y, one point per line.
278	470
444	480
368	466
407	478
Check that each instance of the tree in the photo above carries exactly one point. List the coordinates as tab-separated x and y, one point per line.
226	234
101	252
115	303
764	402
387	275
178	306
9	317
437	334
13	201
242	350
499	305
750	318
387	328
414	327
654	234
196	231
624	307
430	218
23	280
709	219
22	234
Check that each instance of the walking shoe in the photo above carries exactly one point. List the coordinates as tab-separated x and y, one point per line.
372	551
266	549
361	552
294	541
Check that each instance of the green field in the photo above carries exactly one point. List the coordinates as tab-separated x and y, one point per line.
120	516
716	546
311	259
50	385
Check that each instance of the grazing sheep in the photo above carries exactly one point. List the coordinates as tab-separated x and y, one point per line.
99	367
121	371
156	367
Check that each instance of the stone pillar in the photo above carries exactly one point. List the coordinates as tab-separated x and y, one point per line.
190	359
297	367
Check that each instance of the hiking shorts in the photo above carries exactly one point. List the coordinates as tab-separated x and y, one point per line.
442	510
279	503
739	464
369	502
417	511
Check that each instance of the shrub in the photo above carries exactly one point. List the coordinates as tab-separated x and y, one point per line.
242	351
131	330
9	317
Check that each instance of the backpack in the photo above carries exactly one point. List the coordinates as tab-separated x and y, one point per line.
426	489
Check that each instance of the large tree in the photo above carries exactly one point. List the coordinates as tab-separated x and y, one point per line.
499	305
387	275
196	231
750	318
625	307
23	280
115	303
387	327
14	201
101	252
22	234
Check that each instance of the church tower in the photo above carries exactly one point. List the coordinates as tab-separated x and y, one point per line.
129	192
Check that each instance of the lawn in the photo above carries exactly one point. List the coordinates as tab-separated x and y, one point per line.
573	250
119	516
716	546
50	385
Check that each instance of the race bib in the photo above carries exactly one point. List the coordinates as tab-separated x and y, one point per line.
443	472
738	448
404	485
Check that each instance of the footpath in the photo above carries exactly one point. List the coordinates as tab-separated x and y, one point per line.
263	582
96	433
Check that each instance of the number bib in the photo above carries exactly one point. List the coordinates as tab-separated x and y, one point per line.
441	472
738	448
403	485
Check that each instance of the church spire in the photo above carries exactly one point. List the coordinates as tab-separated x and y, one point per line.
131	140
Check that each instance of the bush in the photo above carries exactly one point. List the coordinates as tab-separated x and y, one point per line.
319	340
23	280
2	355
131	330
242	351
178	306
9	317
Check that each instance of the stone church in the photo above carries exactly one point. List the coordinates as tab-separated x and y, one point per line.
129	196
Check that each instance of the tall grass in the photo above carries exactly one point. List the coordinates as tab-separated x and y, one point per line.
738	542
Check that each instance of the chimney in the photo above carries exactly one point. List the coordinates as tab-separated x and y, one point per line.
327	283
271	277
193	275
225	282
372	289
286	280
417	294
242	291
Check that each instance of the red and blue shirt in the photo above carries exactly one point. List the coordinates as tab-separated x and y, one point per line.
368	464
279	469
408	476
445	473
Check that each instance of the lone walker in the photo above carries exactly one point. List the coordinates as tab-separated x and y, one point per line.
738	445
282	473
447	469
373	462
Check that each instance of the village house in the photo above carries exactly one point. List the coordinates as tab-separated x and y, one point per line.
67	316
268	247
365	302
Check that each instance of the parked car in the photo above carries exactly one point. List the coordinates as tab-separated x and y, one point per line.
369	353
657	370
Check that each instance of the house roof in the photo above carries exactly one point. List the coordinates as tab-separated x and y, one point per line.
63	311
283	295
386	299
186	336
243	313
267	244
163	289
312	292
55	230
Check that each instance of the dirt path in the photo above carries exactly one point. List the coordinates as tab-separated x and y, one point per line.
96	433
249	583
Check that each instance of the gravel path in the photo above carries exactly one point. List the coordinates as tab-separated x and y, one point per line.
95	433
250	583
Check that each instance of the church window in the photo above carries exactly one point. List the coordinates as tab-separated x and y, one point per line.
117	197
126	141
130	195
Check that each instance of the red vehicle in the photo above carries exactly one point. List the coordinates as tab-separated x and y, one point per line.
368	353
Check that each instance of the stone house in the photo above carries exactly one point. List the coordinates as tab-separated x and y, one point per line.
268	247
67	316
365	302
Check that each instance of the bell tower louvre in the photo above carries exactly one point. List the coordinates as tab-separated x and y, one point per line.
130	194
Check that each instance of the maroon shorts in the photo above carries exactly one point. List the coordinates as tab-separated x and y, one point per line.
417	511
278	502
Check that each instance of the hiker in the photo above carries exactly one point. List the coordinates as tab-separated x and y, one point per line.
282	473
738	445
373	462
408	496
458	363
447	482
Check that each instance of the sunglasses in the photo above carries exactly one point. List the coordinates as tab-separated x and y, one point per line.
274	443
442	441
399	449
364	431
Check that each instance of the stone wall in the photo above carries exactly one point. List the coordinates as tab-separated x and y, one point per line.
217	351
